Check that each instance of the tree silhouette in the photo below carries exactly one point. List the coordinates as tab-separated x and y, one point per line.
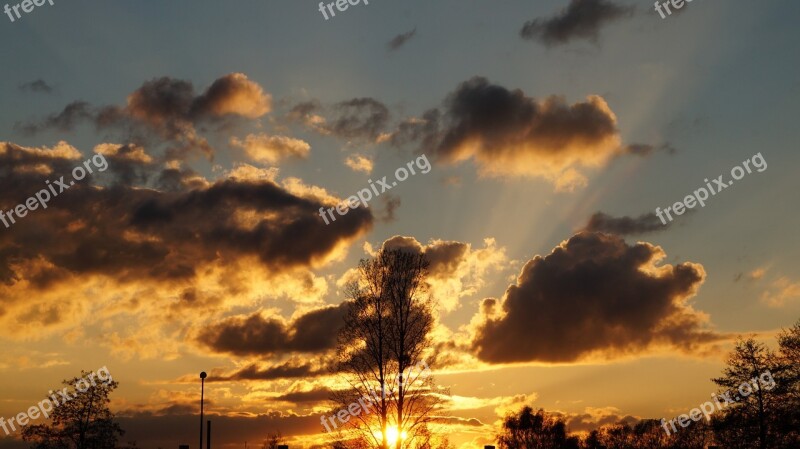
528	430
764	412
273	440
84	422
698	435
788	385
748	418
381	350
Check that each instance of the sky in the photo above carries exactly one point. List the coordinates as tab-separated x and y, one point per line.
545	136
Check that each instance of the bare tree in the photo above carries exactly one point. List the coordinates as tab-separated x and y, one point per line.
381	349
411	315
83	422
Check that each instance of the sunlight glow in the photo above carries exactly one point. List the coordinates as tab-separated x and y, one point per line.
391	435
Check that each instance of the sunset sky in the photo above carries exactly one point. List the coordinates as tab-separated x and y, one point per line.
227	125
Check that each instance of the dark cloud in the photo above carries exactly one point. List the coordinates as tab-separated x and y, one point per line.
422	130
390	205
581	19
286	370
162	102
594	295
313	332
509	133
585	422
643	149
66	120
169	110
359	118
316	395
127	232
600	222
400	40
445	257
179	409
129	163
38	85
170	104
456	269
304	112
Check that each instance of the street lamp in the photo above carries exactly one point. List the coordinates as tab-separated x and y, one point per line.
203	376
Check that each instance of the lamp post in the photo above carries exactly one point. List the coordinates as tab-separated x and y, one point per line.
203	376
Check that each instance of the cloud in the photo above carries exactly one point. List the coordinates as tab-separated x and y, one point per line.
141	229
233	94
400	40
593	418
288	370
66	120
313	332
457	270
593	295
38	85
130	163
643	224
170	101
390	205
168	110
358	118
757	274
267	149
458	421
359	163
307	114
581	19
315	395
644	149
508	133
781	291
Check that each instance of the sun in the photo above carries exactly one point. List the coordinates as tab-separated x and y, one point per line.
392	434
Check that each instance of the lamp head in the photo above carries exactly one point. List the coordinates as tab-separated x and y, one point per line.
203	375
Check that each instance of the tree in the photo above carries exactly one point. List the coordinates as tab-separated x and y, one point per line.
617	436
411	322
649	433
384	338
273	440
84	422
528	430
698	435
788	383
748	418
